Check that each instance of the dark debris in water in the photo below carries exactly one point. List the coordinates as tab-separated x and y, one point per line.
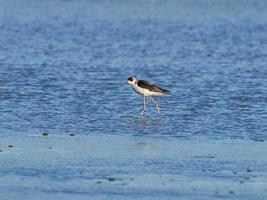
45	133
111	179
249	170
71	134
231	192
258	140
10	146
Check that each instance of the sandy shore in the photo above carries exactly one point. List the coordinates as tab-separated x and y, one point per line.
124	167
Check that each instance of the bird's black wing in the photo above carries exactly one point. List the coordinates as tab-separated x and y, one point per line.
151	87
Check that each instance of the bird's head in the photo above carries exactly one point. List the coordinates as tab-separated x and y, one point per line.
132	80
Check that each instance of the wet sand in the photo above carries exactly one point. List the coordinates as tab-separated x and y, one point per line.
127	167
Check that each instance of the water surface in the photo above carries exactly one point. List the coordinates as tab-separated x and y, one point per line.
64	67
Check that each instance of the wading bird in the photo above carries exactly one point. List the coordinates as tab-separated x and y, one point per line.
146	89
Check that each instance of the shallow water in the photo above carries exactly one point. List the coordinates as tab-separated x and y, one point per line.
64	67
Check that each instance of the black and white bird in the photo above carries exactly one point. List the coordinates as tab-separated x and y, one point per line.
146	89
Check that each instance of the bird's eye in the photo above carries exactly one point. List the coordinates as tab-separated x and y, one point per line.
130	79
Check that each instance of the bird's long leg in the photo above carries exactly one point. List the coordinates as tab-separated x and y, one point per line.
143	111
155	103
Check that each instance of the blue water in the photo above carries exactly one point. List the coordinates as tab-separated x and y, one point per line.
64	67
